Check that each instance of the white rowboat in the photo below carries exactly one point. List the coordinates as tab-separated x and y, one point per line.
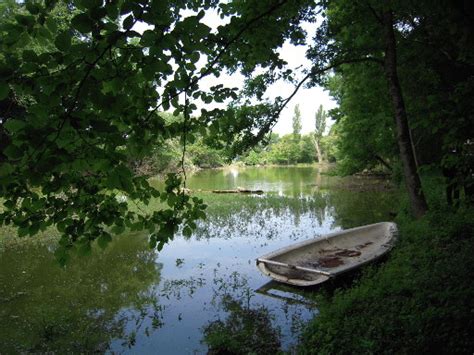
314	261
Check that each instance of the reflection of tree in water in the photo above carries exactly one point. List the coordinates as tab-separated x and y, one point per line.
291	179
231	216
245	331
244	325
77	309
262	216
352	209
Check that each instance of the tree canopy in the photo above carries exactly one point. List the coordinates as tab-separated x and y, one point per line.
82	90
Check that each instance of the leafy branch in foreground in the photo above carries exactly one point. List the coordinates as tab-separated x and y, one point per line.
79	97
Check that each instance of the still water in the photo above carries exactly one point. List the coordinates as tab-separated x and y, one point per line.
129	299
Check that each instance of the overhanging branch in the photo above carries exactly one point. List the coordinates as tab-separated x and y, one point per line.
216	59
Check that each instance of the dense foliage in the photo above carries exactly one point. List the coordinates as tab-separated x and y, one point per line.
354	88
419	301
434	45
319	128
80	96
295	148
420	71
169	157
285	150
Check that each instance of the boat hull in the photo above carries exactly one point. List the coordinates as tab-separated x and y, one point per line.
314	261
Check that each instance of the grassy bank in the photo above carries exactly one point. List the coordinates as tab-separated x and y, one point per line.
421	300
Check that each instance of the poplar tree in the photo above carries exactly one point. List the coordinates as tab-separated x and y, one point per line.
297	123
319	128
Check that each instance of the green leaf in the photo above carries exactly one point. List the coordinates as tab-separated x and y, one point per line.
23	231
112	10
4	90
171	200
161	244
84	248
200	214
10	204
118	229
32	8
202	30
98	13
63	41
152	241
191	138
194	57
14	125
187	231
34	228
113	182
51	24
148	38
25	20
89	4
29	55
82	23
128	22
104	240
43	36
62	255
13	152
5	169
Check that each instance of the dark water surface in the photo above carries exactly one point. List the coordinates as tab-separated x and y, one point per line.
129	299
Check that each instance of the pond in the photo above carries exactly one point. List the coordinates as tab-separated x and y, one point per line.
130	299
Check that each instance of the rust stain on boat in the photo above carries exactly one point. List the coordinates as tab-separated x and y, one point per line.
330	261
365	245
347	252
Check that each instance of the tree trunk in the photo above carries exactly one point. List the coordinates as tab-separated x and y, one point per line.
318	150
412	179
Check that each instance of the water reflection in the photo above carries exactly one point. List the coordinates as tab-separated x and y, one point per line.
246	322
287	293
288	181
238	215
77	309
245	330
130	299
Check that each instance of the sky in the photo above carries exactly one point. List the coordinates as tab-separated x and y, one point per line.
307	99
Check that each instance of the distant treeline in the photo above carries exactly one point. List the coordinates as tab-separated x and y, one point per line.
281	150
291	149
202	151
